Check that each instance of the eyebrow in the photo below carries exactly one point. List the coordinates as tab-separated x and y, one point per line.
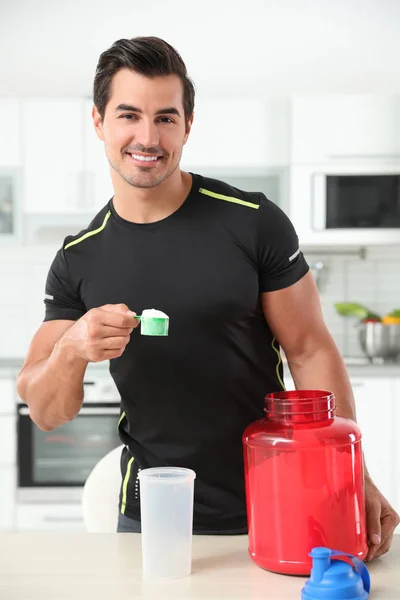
171	110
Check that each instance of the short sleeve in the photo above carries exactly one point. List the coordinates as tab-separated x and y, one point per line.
61	299
281	262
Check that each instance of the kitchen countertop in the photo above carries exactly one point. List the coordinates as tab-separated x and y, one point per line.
43	566
9	368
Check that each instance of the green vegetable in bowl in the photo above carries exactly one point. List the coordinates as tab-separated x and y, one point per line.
352	309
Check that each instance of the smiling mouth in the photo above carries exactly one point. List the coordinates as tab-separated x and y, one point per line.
146	160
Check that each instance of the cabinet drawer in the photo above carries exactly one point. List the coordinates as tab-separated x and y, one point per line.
8	439
7	396
7	497
49	517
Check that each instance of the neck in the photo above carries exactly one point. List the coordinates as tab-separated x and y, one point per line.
148	205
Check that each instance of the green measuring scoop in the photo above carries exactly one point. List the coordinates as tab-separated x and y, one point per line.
153	322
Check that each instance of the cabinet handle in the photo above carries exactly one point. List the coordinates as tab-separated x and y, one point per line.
62	519
365	155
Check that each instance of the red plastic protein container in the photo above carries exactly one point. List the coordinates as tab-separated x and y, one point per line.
304	482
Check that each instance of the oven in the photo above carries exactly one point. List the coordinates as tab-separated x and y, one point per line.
52	466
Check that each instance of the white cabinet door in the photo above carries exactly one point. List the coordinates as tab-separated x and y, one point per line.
375	405
7	497
396	425
53	155
13	341
98	186
7	397
8	439
238	132
325	128
49	517
10	133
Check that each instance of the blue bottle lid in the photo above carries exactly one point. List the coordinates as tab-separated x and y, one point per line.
333	579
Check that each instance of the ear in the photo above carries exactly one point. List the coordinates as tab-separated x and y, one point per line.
188	128
98	123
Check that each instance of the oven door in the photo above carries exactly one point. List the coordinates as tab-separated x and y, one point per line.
65	456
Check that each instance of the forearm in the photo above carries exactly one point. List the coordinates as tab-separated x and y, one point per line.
53	387
323	368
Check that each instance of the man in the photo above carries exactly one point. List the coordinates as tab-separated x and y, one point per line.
224	264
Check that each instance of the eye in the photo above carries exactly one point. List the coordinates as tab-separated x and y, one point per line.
166	120
128	117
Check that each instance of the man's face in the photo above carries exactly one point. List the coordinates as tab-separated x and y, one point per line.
144	127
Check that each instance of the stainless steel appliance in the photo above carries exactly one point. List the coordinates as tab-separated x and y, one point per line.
348	203
356	201
53	466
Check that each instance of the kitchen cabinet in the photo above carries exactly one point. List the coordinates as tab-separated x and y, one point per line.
7	497
376	406
396	427
10	133
98	186
66	171
8	424
238	132
49	517
8	439
328	128
7	396
12	303
53	155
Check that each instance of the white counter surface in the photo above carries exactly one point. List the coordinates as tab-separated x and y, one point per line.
38	566
10	367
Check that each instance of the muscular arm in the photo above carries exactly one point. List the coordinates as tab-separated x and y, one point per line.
51	379
295	317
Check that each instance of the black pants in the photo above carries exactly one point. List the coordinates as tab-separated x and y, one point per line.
127	525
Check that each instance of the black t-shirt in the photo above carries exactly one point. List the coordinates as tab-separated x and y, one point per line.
187	397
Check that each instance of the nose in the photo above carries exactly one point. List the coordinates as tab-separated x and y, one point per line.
146	134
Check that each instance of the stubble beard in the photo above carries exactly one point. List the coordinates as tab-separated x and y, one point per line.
147	180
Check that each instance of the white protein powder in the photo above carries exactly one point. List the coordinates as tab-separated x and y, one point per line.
151	313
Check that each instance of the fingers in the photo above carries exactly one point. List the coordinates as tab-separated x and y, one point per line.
382	520
373	509
113	315
114	343
390	521
118	308
98	349
384	547
106	331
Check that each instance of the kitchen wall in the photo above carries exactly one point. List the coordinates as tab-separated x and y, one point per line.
373	281
50	47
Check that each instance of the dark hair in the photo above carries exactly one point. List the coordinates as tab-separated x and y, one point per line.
149	56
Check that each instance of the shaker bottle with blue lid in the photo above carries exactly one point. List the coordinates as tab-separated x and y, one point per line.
333	579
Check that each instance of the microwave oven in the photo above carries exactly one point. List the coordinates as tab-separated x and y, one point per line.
346	205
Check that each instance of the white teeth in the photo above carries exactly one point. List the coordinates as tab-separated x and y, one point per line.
144	158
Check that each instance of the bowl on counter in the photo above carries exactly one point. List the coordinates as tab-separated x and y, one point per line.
379	340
